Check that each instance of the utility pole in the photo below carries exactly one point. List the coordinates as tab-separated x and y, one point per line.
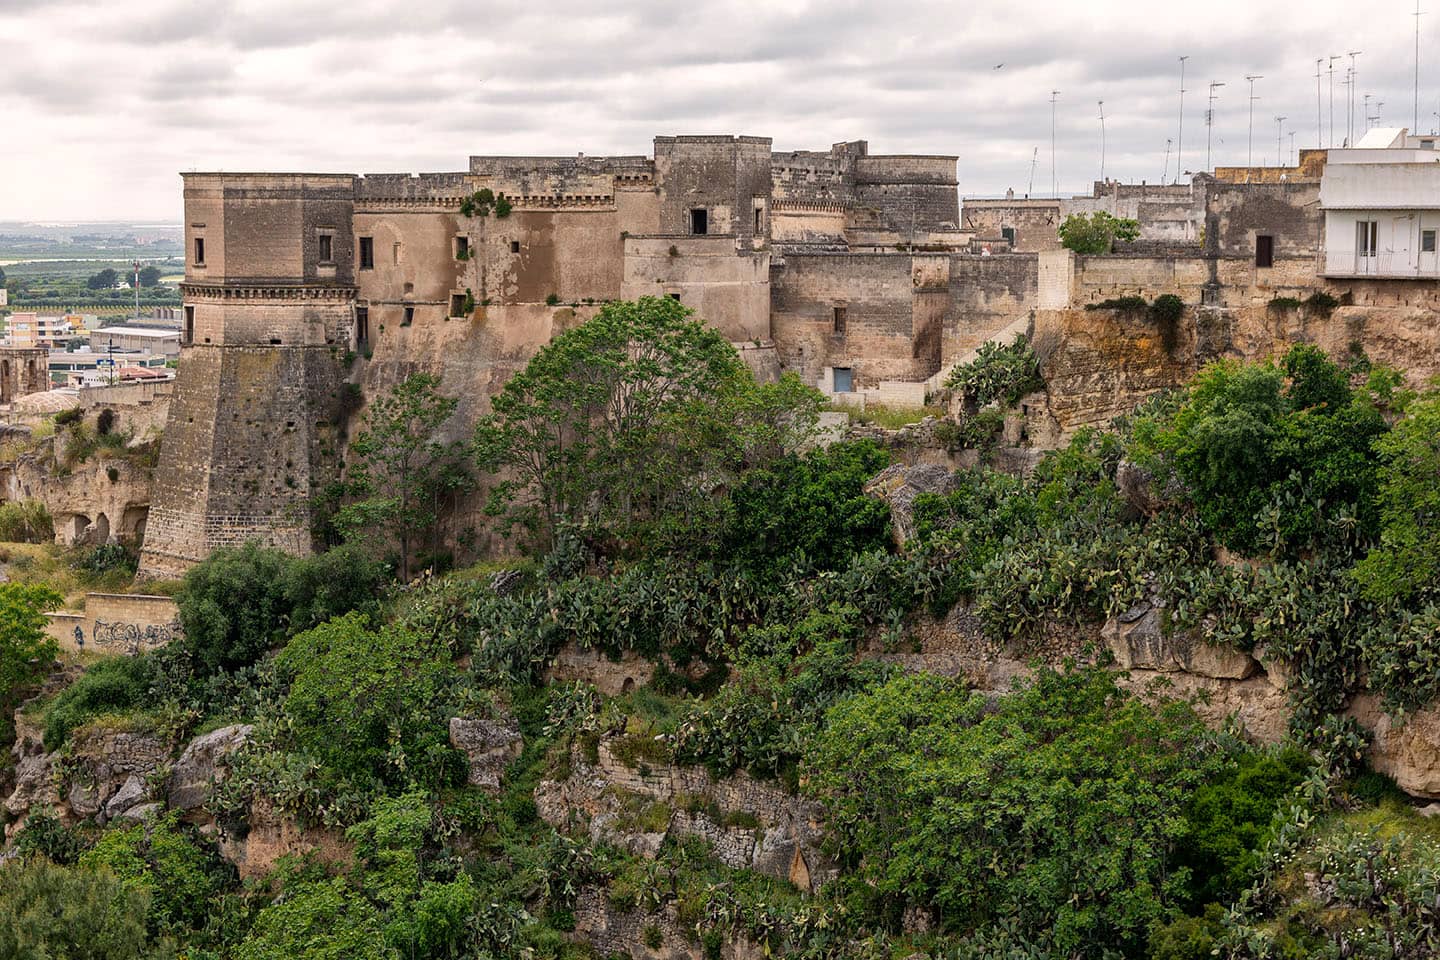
1354	79
1346	84
1331	141
1034	162
1180	135
1250	136
1210	120
1319	124
1102	141
1279	127
1054	177
1366	115
1294	160
1415	121
1168	144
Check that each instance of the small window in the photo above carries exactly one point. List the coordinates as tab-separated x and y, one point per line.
362	324
397	251
1366	237
844	380
199	251
367	253
327	248
457	305
759	220
837	321
1008	235
462	248
514	246
409	317
1427	241
1264	251
675	296
699	221
189	324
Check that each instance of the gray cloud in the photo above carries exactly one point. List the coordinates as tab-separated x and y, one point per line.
108	116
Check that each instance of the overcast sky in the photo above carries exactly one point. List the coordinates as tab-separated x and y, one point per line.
102	104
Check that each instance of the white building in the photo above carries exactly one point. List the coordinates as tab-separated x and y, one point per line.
1382	207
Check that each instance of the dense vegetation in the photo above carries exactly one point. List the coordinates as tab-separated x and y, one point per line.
672	518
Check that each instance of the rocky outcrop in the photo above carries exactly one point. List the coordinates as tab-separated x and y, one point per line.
899	485
202	764
749	824
104	762
1138	640
612	677
273	834
489	745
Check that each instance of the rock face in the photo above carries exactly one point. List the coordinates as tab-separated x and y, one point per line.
489	745
749	824
202	764
105	762
1138	640
899	485
273	835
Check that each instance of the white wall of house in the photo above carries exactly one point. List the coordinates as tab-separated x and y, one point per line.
1392	243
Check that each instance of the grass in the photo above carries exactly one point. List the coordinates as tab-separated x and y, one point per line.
55	566
890	418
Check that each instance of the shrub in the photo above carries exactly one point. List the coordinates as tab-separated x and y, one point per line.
114	685
26	651
1321	303
552	299
26	521
67	417
1282	304
1125	304
1167	308
998	373
1406	561
105	421
1097	232
502	207
370	705
76	913
1053	808
160	859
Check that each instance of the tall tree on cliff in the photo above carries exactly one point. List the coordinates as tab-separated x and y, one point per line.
628	423
400	472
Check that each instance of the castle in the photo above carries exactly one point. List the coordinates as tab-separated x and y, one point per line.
856	271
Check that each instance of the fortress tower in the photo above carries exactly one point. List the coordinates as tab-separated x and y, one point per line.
268	308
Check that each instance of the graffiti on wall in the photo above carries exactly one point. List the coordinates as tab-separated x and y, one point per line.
132	638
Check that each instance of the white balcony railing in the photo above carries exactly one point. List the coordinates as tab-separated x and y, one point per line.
1393	265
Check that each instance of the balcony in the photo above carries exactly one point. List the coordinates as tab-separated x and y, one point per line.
1385	265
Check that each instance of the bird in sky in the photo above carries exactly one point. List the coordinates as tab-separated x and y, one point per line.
997	66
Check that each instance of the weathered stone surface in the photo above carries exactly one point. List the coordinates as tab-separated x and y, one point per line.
613	678
34	784
1138	640
273	835
749	824
203	763
489	745
131	793
104	760
1408	752
1262	710
899	485
141	812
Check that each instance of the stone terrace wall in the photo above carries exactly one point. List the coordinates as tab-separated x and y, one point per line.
117	623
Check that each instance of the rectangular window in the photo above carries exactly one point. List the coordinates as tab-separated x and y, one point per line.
1366	234
1264	251
397	252
367	253
362	324
409	317
514	246
462	248
199	251
1427	241
699	221
189	324
327	248
675	296
457	305
844	380
759	220
837	321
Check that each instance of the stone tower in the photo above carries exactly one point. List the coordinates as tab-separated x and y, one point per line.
268	309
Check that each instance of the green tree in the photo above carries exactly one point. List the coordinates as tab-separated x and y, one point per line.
26	651
370	704
637	413
398	471
150	276
325	920
106	279
1407	559
179	878
1097	232
76	913
1053	808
